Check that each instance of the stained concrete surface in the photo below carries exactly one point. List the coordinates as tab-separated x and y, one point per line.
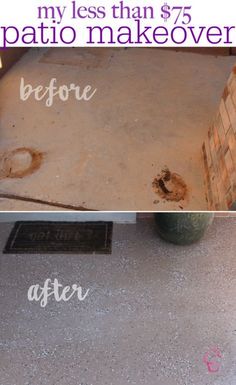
153	311
152	109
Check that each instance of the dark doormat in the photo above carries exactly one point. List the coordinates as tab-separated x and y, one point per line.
60	237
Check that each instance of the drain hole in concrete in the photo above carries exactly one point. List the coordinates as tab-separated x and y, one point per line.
20	162
170	186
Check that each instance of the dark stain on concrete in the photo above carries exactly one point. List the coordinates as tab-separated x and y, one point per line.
170	186
20	162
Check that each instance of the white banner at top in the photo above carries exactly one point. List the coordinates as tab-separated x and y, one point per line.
151	23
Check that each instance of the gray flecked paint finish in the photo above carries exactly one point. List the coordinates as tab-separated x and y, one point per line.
153	311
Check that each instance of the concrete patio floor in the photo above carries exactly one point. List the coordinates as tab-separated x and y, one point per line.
152	313
152	110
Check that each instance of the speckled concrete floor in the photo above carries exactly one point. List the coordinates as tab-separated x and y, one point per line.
152	313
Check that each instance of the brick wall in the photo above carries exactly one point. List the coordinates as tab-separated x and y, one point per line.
219	152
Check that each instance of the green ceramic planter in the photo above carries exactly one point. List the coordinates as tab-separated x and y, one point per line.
182	228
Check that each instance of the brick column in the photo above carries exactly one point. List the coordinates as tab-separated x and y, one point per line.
219	152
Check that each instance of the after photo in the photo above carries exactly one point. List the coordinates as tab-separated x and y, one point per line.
117	298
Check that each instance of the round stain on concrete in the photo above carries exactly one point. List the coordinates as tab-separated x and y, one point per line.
20	162
170	186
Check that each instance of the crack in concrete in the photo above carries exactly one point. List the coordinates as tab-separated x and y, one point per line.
43	202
